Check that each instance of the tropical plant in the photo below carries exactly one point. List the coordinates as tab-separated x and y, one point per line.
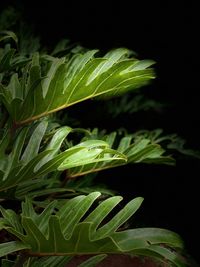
48	216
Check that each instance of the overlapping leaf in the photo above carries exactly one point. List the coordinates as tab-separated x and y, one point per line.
67	231
62	261
55	261
136	148
7	35
64	82
33	156
9	60
30	159
27	160
34	85
10	247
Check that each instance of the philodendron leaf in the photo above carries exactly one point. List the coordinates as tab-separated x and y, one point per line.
10	247
135	150
30	158
10	60
93	261
61	261
8	35
69	81
67	231
36	154
52	261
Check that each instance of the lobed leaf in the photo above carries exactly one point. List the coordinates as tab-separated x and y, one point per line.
74	229
128	149
67	82
30	158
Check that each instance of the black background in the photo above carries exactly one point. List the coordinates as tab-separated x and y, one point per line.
168	34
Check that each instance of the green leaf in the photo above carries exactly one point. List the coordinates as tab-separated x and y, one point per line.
31	159
170	255
61	261
99	214
8	35
5	60
126	149
33	145
119	219
53	261
10	60
11	219
146	236
93	261
75	217
10	247
73	229
84	76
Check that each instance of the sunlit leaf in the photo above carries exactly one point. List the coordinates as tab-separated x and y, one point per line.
135	149
68	82
31	159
